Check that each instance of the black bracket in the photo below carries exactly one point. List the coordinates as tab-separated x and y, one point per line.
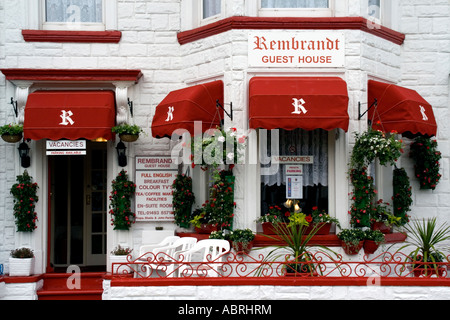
14	104
374	104
130	105
230	115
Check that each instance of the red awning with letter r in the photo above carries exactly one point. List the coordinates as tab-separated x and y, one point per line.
181	108
400	109
298	102
71	115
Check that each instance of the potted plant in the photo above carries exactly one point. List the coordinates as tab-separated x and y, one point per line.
299	260
382	219
21	262
122	190
202	220
25	198
274	215
242	240
120	255
127	132
11	133
352	240
426	156
424	236
372	240
183	199
323	220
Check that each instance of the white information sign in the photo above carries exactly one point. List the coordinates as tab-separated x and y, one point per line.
154	178
294	187
66	148
296	49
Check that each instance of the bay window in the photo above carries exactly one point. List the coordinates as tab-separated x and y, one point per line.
211	8
301	154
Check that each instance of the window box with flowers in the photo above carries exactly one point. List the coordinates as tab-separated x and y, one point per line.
11	133
323	220
381	217
275	215
120	206
25	198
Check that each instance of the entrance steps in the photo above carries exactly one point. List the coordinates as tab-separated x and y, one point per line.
65	286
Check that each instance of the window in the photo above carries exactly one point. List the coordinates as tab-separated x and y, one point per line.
314	178
374	9
211	8
295	8
74	14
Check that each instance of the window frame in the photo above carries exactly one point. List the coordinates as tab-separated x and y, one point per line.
214	18
36	19
295	12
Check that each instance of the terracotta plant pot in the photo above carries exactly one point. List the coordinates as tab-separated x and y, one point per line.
244	247
323	230
206	229
370	246
351	249
381	226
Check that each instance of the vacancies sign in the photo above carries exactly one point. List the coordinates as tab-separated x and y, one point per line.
296	49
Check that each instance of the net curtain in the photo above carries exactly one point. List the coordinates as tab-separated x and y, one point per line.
74	11
302	143
294	3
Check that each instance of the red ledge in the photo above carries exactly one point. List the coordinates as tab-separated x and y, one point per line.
30	279
258	23
330	240
71	36
279	281
72	74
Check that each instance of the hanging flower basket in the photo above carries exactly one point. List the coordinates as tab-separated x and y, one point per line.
25	198
127	132
352	249
129	137
11	133
122	191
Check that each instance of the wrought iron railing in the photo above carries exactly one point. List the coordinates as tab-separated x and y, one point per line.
314	264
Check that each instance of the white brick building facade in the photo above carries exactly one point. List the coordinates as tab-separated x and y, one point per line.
160	39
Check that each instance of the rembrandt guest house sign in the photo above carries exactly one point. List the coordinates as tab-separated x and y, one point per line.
296	49
154	178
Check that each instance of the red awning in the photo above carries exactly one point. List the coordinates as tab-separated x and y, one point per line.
70	115
400	109
298	102
182	107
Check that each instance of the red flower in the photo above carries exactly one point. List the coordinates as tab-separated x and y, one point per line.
308	218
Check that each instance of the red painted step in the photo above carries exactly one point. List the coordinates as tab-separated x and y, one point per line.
64	286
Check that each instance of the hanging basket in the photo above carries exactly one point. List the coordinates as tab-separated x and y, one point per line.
129	137
12	138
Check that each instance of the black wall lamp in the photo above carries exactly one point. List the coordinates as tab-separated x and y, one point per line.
121	153
24	153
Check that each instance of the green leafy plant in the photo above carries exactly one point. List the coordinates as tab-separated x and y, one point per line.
183	199
220	235
22	253
220	147
374	235
121	251
381	213
25	198
221	203
320	216
11	129
425	236
242	235
120	206
402	195
295	241
275	214
426	157
126	128
374	144
351	236
362	197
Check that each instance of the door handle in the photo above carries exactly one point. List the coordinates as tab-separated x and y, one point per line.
88	199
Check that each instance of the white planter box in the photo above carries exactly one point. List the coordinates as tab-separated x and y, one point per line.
119	269
21	267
